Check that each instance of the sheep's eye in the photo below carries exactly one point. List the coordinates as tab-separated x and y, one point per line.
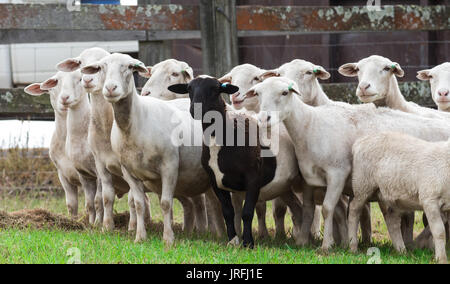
285	93
175	74
256	79
308	73
387	69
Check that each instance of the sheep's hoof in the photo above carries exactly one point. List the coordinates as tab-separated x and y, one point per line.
249	245
354	249
108	226
169	239
301	242
234	242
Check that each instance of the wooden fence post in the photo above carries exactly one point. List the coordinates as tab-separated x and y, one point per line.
152	52
219	36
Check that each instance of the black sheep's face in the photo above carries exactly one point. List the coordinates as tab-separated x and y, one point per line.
204	94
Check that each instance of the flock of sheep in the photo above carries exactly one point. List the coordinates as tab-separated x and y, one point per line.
109	140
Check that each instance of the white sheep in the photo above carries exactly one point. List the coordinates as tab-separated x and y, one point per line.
73	98
327	162
404	174
164	74
142	136
67	174
439	78
378	84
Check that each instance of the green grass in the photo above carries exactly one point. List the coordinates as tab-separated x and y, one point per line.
54	246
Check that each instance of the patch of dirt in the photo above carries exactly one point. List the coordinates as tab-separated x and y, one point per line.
44	219
38	219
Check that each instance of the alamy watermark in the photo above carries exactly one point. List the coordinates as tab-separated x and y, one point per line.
74	255
375	255
73	5
374	5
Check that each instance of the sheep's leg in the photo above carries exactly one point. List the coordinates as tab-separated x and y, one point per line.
366	224
261	208
109	196
251	198
340	228
315	227
89	186
335	186
132	223
169	176
295	206
200	213
393	223
308	216
237	199
228	213
188	212
71	193
216	222
355	211
147	212
279	209
407	225
137	190
437	229
99	204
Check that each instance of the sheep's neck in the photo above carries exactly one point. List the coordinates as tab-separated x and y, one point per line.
220	107
78	121
59	135
320	98
444	109
123	110
394	98
300	117
101	114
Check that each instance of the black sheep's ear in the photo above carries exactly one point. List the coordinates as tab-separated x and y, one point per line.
228	88
179	88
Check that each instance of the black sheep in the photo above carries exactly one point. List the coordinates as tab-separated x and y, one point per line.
230	166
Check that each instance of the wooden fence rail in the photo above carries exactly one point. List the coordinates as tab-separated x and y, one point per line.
37	23
16	104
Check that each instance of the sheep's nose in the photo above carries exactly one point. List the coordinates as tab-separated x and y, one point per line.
88	80
268	118
443	92
364	86
64	99
146	93
111	88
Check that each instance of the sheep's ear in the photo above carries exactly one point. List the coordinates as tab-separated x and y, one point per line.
424	75
69	65
268	74
34	89
226	79
188	73
321	73
349	70
147	74
179	89
228	88
49	84
138	66
250	93
398	71
91	69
